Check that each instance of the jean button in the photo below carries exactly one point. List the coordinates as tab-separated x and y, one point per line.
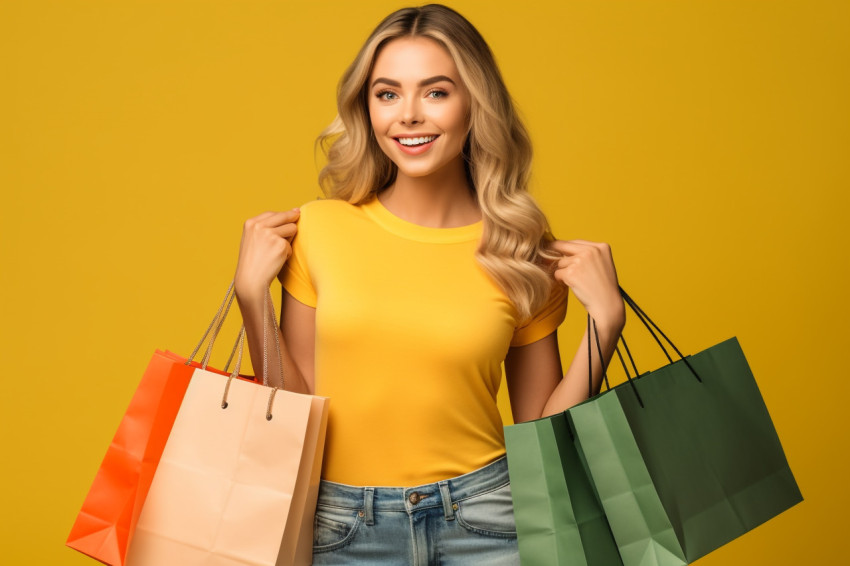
414	498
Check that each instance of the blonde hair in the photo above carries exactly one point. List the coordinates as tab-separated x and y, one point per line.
497	152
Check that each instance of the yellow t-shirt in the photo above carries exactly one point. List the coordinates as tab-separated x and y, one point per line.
410	336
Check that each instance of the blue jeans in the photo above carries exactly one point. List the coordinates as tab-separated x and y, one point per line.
456	522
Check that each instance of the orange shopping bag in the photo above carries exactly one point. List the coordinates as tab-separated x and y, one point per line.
107	519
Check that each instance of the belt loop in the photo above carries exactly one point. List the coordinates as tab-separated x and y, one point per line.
368	496
446	496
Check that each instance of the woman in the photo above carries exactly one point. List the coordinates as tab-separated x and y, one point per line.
404	292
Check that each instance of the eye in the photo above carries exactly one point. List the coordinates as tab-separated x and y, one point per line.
437	94
385	95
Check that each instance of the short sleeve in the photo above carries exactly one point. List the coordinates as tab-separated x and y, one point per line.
547	319
296	275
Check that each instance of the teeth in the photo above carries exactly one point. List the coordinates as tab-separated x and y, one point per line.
416	141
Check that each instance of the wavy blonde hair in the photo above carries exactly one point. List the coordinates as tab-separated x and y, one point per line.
497	152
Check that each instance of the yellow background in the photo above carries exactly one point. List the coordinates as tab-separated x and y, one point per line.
706	140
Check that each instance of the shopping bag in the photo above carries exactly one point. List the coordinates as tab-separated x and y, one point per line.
642	528
686	458
559	520
109	513
238	479
105	523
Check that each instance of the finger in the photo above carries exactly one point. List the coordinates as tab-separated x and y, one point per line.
276	219
570	247
272	219
583	247
562	276
287	231
269	216
578	243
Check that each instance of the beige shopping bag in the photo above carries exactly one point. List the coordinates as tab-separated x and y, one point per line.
238	479
234	487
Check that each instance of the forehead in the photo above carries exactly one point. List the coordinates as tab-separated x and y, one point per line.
413	58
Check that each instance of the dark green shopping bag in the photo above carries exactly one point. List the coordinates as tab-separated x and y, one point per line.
559	520
685	461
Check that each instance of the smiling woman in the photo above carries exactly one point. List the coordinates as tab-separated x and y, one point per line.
404	292
421	124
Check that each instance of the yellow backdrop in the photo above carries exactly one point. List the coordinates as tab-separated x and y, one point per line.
706	140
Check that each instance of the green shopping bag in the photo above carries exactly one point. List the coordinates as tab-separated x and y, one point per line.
686	460
559	520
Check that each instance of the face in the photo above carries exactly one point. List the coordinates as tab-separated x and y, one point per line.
418	106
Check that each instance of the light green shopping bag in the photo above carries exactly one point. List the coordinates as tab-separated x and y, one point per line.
559	520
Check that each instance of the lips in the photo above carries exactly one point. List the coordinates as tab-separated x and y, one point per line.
411	141
414	145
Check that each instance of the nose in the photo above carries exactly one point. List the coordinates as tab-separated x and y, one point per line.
411	112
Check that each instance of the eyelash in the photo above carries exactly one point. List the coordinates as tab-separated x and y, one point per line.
442	93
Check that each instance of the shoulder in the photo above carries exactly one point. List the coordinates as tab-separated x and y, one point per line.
325	206
323	209
324	212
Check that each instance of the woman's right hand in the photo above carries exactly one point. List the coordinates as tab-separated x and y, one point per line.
264	248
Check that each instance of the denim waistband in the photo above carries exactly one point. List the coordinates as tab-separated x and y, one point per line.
408	499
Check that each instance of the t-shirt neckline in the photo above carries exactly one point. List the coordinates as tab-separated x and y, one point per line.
400	227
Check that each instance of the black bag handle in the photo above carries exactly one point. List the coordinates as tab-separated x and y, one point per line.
651	327
649	324
590	321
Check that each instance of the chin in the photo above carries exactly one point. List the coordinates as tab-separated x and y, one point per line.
421	170
415	173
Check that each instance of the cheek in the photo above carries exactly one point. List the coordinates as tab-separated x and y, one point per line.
457	119
378	118
380	127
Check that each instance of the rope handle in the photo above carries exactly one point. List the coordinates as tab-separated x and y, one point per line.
213	330
268	305
214	327
216	324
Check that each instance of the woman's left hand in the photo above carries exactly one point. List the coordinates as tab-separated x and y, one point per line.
588	269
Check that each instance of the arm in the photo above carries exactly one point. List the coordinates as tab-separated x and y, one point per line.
533	371
535	383
264	249
298	326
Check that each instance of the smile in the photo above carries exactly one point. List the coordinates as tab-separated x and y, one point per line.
416	141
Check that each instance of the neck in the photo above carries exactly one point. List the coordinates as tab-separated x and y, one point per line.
443	199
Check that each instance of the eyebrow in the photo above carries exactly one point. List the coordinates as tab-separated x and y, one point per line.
423	82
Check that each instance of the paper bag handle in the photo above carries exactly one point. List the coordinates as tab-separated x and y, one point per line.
591	329
213	329
216	325
649	324
651	327
268	306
